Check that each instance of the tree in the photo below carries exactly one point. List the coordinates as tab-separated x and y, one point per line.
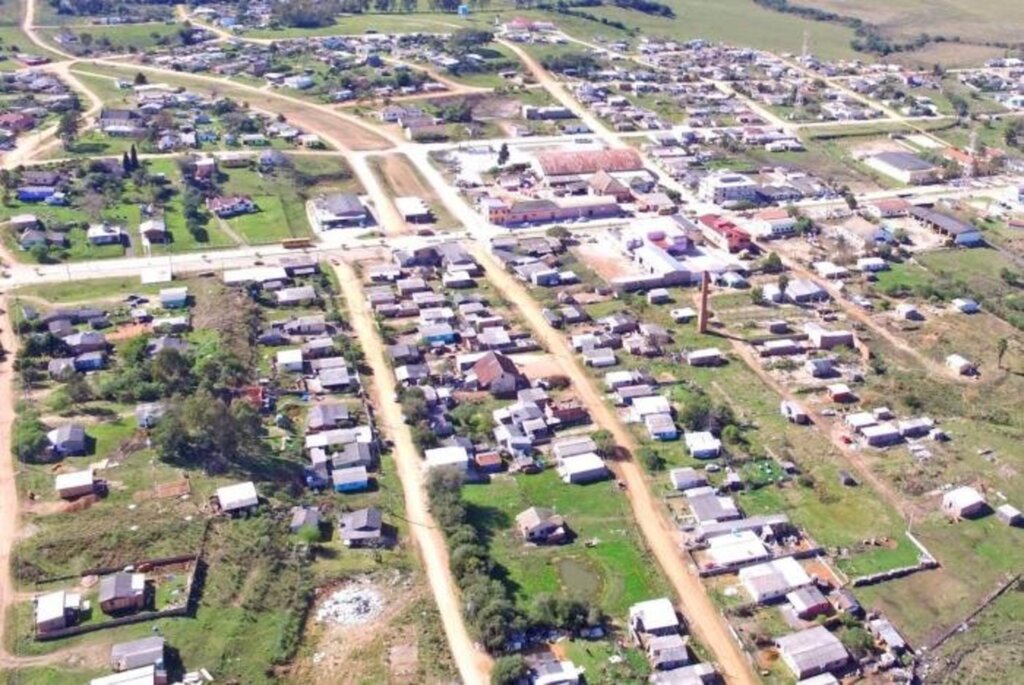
126	163
695	413
503	154
783	282
651	460
28	436
1001	346
67	129
757	295
772	264
604	441
558	233
134	157
140	79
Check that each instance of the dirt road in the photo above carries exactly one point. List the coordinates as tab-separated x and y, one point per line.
473	664
8	491
660	534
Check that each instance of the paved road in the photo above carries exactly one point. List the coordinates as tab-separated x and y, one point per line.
474	665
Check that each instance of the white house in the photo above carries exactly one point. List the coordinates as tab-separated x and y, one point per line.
960	365
963	502
702	444
290	360
440	457
237	497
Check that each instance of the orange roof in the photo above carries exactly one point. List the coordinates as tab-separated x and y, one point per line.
567	162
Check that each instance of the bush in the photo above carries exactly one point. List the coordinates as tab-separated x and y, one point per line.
509	670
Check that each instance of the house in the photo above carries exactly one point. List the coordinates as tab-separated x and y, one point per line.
86	341
238	498
710	356
1010	515
553	672
812	651
706	506
804	291
905	167
290	360
362	528
149	414
886	633
146	651
660	426
90	361
104	234
174	298
774	222
497	374
68	439
702	444
686	478
542	526
338	211
144	675
231	205
808	602
442	457
56	610
964	502
652	618
840	392
292	297
352	479
965	305
154	231
794	412
821	367
667	652
61	368
75	484
773	579
122	592
326	416
960	365
582	468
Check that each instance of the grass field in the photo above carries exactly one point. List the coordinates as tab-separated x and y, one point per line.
127	37
998	20
991	652
615	573
735	21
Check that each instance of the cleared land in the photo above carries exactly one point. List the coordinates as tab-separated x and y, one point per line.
403	180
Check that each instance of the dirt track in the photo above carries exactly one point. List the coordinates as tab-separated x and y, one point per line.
473	664
661	536
8	491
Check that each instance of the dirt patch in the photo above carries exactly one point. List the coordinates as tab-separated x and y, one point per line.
128	331
402	178
540	366
338	642
607	266
177	488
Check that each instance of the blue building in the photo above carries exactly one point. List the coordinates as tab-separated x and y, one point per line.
90	361
174	298
35	193
352	479
440	333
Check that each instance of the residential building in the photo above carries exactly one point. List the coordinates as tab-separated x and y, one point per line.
812	651
339	211
542	526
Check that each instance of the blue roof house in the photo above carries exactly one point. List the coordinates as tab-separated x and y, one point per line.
352	479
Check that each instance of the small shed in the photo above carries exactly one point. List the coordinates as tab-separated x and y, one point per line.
1010	515
237	498
75	484
964	502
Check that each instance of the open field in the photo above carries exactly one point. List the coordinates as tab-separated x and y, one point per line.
123	38
614	573
991	652
998	20
736	21
402	179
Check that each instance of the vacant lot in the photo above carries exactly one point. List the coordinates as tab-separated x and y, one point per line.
994	21
991	651
399	176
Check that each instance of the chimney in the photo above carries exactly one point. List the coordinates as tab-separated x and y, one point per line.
702	317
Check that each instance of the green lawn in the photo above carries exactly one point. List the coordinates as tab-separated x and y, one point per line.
269	225
122	38
90	290
615	573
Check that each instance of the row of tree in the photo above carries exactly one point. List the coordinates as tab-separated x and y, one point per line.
487	598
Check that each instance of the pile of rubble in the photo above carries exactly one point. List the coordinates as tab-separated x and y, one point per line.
350	606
